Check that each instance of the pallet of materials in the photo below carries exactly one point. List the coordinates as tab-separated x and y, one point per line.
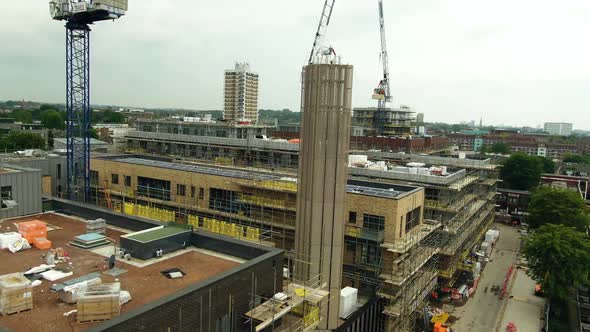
32	229
99	302
96	226
89	241
42	243
16	294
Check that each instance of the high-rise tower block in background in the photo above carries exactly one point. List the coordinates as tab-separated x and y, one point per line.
241	94
325	132
559	128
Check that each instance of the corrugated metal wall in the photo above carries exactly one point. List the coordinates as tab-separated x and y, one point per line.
56	167
26	190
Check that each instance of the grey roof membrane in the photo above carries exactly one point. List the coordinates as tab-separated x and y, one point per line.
247	175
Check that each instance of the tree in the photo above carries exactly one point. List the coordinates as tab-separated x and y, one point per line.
558	258
23	116
93	133
576	159
485	149
107	117
521	171
557	206
548	165
501	148
22	141
53	119
50	139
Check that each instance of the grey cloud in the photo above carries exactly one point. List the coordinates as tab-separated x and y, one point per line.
509	62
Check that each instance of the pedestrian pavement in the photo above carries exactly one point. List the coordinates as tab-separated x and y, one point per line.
482	310
524	309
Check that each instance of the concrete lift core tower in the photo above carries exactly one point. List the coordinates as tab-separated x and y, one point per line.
326	97
79	14
323	173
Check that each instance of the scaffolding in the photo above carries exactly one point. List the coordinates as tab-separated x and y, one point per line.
402	271
262	211
299	305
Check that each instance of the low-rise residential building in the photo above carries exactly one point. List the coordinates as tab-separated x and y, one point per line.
95	145
531	144
8	125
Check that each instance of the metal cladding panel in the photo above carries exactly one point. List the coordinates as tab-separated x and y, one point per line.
325	132
49	166
26	191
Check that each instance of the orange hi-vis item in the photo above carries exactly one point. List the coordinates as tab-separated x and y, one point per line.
42	243
30	230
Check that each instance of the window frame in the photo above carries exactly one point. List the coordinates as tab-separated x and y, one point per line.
180	189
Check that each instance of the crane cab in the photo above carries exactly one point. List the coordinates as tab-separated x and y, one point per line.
87	11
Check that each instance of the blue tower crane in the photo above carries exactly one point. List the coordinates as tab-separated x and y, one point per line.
78	15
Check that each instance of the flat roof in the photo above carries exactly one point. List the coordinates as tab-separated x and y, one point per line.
379	189
145	284
358	187
157	233
214	123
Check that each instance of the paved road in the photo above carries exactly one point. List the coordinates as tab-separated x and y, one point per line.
524	309
483	308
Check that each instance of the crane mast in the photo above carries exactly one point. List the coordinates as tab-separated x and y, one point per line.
322	28
382	93
79	15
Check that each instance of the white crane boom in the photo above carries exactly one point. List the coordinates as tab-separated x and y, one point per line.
322	28
382	93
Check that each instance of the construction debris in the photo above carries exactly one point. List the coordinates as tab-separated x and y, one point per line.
70	312
125	297
7	239
53	275
19	245
39	269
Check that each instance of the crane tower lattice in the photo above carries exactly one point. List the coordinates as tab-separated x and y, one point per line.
79	14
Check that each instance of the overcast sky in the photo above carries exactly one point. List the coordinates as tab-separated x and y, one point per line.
513	62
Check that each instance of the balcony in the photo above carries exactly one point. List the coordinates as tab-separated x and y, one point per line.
365	234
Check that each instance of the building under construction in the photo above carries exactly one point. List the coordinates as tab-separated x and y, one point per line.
397	122
398	237
244	145
461	196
